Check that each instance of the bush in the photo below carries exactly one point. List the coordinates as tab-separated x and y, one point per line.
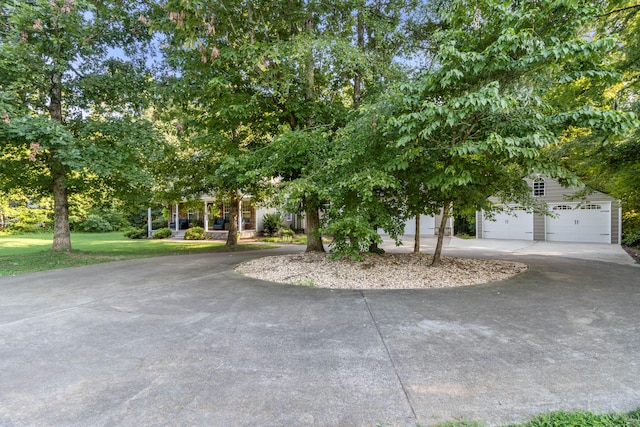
94	224
287	235
631	229
195	233
117	220
158	223
136	233
272	223
162	233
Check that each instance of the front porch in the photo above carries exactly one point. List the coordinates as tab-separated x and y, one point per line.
214	217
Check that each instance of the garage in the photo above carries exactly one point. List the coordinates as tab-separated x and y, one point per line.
427	226
515	223
575	222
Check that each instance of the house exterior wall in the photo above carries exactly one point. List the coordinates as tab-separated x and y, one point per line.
479	225
539	228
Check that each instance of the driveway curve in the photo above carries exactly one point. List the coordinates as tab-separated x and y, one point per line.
185	340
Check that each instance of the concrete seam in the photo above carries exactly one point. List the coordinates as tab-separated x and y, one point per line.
386	348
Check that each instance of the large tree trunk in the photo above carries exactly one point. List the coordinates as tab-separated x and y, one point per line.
232	237
416	238
441	230
314	238
61	231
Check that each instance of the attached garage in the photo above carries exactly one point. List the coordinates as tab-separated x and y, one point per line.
515	223
577	216
575	222
427	226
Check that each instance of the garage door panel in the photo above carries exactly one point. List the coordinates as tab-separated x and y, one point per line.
515	225
580	223
427	226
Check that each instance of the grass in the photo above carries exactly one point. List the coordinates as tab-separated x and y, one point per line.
569	419
298	238
31	252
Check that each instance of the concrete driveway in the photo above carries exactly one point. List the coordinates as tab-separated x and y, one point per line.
187	341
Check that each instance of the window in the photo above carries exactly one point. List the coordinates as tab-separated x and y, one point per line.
562	208
591	207
538	187
288	217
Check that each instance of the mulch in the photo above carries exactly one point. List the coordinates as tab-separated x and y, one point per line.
634	252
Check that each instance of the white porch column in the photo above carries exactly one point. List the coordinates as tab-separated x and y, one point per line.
149	226
240	216
206	216
177	217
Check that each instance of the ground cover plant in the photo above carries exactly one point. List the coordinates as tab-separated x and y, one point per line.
31	252
568	419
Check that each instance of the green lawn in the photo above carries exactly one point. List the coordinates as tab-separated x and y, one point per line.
31	252
569	419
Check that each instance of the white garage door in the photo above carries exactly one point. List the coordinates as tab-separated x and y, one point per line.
580	223
516	224
427	225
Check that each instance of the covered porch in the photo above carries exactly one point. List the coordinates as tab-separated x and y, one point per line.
214	217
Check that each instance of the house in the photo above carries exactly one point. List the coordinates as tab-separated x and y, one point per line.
595	217
213	216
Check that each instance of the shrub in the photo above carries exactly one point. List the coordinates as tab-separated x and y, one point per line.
158	223
136	233
195	233
631	229
117	220
94	224
287	235
162	233
272	223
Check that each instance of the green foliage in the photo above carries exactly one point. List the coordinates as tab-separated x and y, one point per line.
94	224
287	235
195	233
21	214
270	239
582	418
352	235
631	229
117	220
136	233
158	223
309	282
74	119
272	223
162	233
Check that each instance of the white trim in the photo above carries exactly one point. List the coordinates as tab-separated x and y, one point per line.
619	223
177	221
205	220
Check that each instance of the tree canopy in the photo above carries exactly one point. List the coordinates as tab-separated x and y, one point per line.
73	111
359	115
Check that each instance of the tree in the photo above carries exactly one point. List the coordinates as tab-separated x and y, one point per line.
610	163
282	75
480	120
72	111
